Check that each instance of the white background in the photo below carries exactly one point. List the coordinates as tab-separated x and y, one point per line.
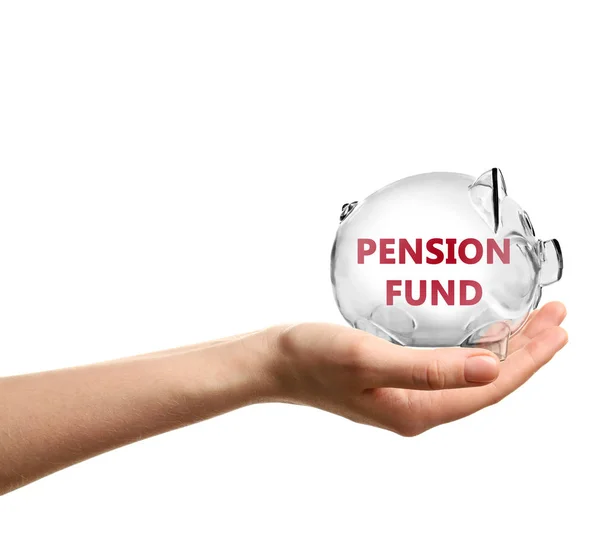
174	171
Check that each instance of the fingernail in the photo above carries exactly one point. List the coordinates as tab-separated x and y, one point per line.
480	369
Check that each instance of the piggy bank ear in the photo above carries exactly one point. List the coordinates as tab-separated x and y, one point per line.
347	209
486	193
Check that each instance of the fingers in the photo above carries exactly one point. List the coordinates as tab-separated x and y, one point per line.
391	366
390	378
524	363
352	359
516	370
412	412
357	359
450	368
551	314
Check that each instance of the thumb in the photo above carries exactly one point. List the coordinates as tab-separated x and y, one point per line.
442	368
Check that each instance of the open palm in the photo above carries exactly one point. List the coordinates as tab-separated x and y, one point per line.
366	379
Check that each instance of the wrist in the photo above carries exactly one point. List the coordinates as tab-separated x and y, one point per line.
230	374
257	360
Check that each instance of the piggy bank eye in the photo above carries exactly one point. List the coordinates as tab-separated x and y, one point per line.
526	222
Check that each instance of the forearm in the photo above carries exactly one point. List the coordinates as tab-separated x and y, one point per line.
53	419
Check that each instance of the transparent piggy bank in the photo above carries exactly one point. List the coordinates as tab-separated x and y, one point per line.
441	259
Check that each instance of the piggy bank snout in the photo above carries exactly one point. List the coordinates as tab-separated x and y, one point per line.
551	261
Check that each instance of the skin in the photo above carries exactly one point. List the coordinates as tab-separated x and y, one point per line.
51	420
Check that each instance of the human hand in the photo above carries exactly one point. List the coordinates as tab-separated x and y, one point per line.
83	411
408	391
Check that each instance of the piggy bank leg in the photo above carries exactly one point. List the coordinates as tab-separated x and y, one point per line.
493	337
375	329
391	323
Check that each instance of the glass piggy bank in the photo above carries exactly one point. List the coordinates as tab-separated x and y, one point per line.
441	259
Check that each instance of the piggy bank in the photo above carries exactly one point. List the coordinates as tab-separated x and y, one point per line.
441	259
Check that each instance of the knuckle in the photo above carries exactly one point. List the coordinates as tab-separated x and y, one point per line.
284	342
353	363
287	337
357	352
496	395
431	376
436	378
